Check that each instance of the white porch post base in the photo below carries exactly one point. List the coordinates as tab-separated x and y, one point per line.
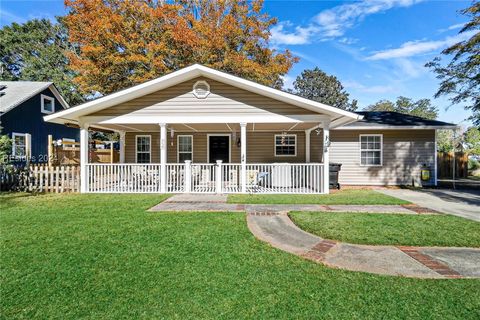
163	158
326	156
83	158
243	156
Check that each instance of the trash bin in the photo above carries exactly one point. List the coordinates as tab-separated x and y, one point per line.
334	169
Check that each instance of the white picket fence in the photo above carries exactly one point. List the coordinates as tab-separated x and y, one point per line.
206	178
41	178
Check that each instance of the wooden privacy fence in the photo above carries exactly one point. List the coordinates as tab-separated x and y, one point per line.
40	178
445	162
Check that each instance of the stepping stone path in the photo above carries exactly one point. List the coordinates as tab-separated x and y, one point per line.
418	262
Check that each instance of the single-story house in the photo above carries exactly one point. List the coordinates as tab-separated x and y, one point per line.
202	130
22	107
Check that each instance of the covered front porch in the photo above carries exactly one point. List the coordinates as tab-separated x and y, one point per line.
282	157
202	130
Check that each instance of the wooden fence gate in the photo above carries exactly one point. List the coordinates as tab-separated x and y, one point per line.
445	162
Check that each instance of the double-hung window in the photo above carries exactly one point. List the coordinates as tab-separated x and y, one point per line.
371	149
184	148
19	145
143	149
285	145
48	104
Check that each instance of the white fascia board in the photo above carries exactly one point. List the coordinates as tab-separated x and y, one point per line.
275	93
58	96
198	119
190	73
126	94
397	127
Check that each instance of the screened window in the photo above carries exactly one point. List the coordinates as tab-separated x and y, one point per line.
371	150
285	145
48	104
19	145
144	149
185	148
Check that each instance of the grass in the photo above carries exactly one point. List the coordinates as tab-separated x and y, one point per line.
351	196
105	257
391	229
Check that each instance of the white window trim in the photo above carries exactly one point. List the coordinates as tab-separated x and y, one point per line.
220	135
275	145
136	146
42	99
17	134
360	148
198	83
178	146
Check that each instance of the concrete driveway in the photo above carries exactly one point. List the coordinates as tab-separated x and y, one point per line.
462	203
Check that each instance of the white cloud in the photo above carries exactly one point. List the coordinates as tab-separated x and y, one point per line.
354	85
334	22
452	27
413	48
346	40
288	81
408	68
8	17
299	35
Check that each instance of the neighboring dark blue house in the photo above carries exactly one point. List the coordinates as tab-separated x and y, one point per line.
22	107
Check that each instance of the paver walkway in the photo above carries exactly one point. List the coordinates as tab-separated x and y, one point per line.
419	262
218	202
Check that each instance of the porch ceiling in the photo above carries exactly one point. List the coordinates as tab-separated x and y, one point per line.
208	127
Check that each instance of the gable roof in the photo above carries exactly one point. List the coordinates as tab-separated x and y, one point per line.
395	120
15	93
191	72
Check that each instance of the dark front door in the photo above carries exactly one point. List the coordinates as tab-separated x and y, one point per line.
219	148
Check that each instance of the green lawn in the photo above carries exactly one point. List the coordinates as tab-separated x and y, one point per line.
391	229
105	257
352	196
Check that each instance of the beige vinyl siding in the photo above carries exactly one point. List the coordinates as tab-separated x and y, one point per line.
404	152
260	147
223	99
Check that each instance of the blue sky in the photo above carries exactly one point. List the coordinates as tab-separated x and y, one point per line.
376	48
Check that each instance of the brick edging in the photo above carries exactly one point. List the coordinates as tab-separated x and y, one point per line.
430	262
318	251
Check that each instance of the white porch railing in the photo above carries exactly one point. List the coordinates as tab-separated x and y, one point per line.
123	178
207	178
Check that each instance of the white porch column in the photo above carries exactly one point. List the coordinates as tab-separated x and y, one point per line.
307	145
83	158
243	155
326	156
163	157
218	177
188	176
122	146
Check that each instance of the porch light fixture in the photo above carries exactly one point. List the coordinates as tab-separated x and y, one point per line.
201	89
327	141
172	136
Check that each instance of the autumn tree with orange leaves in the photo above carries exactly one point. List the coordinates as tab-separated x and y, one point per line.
123	43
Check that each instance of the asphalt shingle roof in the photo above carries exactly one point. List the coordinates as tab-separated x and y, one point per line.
16	92
388	118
